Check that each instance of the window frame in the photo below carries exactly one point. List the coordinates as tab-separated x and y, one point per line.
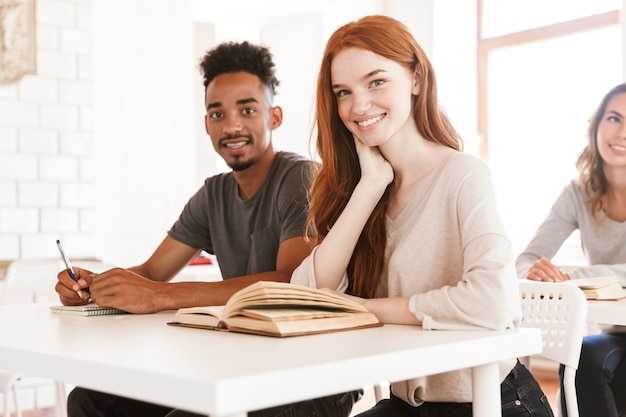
486	45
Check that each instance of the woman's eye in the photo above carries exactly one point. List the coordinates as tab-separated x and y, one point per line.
377	83
341	93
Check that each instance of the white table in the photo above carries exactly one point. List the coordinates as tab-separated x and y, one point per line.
226	374
607	312
208	273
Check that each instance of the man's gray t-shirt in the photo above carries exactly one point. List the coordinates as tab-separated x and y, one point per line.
245	235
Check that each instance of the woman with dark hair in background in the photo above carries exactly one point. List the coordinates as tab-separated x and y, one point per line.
594	204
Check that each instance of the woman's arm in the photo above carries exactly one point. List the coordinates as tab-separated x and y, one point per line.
334	252
558	226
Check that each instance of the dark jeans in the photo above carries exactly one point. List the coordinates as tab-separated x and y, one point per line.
521	397
86	403
601	377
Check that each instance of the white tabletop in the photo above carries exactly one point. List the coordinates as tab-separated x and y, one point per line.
210	272
607	312
226	374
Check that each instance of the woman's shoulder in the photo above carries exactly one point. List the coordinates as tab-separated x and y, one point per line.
576	188
462	163
467	159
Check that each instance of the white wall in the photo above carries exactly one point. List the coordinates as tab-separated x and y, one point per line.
622	18
145	85
105	155
153	152
47	158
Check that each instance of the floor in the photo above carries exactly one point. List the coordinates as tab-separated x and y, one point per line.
42	412
548	379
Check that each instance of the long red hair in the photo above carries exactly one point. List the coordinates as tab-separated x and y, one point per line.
339	171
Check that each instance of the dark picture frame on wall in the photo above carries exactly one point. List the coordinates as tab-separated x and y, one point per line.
17	39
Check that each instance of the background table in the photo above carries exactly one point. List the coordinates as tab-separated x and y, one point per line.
607	312
227	374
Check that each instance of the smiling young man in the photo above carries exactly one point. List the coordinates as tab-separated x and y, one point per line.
252	218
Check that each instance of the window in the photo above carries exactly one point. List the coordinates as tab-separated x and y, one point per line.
501	17
537	88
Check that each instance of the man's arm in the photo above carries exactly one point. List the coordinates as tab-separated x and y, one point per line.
167	260
128	290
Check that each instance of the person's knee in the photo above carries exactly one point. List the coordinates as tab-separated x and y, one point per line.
76	400
181	413
82	402
594	352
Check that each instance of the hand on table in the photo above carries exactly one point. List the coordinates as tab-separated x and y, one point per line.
544	270
126	290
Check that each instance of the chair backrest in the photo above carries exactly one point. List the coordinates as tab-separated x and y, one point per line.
28	281
560	311
33	280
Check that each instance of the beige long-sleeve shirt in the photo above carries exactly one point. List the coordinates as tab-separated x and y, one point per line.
449	252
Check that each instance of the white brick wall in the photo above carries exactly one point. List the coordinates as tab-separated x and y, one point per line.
50	154
47	189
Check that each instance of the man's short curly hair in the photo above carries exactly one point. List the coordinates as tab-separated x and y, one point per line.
231	57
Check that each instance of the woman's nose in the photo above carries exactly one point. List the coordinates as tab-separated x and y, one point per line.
360	103
621	132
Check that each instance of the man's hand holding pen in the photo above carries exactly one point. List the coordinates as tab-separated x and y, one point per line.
68	289
117	287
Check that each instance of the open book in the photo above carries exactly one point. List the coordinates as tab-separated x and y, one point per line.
600	288
279	309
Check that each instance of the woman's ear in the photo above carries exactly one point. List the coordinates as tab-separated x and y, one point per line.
417	81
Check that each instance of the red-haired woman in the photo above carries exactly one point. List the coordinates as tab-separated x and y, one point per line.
405	222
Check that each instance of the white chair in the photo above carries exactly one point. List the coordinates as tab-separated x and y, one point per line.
560	311
8	387
28	281
378	393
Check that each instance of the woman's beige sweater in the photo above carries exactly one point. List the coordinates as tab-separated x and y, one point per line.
449	252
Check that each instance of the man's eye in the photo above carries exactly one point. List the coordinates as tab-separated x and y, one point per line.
215	115
248	111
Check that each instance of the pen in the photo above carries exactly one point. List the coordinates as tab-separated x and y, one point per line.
68	266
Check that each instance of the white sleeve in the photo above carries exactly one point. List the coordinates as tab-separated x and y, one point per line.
305	274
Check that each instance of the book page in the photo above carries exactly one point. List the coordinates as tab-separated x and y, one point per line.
279	309
282	314
600	288
594	282
610	292
275	293
287	328
206	316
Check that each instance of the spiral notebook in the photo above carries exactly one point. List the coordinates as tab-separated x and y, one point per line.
87	310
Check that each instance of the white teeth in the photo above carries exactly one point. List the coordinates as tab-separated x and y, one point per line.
235	145
370	122
619	148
